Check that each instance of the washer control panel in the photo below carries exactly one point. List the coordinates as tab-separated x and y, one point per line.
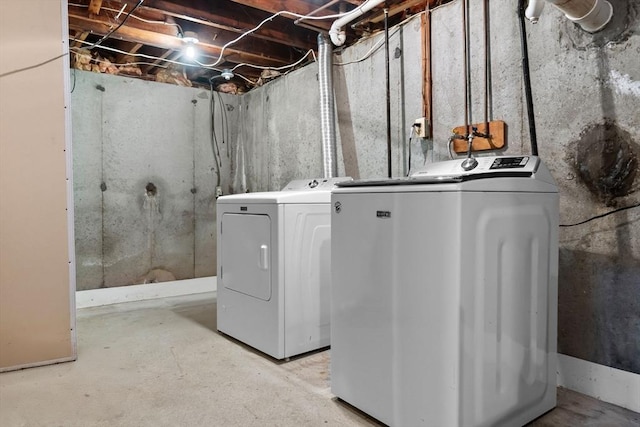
509	162
490	165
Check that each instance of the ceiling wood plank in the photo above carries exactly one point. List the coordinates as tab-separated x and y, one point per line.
394	10
147	69
163	40
79	37
235	20
300	7
123	58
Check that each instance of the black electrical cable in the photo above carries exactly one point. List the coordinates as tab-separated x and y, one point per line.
485	16
388	84
527	78
602	215
214	139
465	40
106	36
225	123
74	81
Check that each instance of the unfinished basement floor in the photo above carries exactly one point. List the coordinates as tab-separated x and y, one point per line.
162	363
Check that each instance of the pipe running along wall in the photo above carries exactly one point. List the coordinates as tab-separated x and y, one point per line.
327	110
592	15
337	34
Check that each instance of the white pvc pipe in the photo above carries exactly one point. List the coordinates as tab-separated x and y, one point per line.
337	34
591	15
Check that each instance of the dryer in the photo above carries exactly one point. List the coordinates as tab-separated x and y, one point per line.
274	267
444	294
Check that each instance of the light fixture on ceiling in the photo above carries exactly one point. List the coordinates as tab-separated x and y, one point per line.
190	38
227	74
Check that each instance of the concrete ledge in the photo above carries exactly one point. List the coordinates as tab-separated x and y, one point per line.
106	296
611	385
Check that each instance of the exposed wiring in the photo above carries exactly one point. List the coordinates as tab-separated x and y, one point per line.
74	81
260	67
79	50
31	67
141	55
270	18
411	132
148	21
214	140
377	45
601	215
106	36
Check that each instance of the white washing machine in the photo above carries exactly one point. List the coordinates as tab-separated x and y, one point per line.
274	253
444	294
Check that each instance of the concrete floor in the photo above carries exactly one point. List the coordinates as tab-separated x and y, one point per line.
160	363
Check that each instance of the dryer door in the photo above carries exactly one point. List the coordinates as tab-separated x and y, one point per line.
246	254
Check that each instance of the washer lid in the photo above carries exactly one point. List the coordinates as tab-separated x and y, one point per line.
491	174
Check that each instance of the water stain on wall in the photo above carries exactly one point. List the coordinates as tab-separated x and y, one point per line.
606	160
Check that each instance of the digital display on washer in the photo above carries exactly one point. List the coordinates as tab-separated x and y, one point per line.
509	162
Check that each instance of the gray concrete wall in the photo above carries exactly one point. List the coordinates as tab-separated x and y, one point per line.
279	129
587	97
587	106
145	179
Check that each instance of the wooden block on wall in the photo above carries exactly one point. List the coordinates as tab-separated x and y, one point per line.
497	140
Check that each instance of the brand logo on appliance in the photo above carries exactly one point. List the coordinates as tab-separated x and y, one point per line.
383	214
338	207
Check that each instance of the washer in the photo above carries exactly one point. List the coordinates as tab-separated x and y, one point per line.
274	267
444	294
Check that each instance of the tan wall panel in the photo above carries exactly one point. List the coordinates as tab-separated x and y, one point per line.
35	285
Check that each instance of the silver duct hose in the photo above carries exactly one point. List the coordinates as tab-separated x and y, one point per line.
327	111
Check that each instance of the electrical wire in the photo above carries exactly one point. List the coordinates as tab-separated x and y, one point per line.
106	36
74	81
141	55
270	18
148	21
213	138
78	50
601	215
377	45
260	67
411	132
31	67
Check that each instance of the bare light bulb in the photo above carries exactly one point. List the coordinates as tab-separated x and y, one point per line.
190	51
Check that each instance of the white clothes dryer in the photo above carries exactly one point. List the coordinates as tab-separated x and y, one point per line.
444	294
274	267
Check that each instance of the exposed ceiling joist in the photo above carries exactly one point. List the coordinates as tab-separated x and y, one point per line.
153	33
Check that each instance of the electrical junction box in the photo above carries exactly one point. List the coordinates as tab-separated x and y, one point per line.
421	127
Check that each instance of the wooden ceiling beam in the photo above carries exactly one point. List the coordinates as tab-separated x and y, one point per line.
301	7
79	37
148	68
157	38
394	10
123	58
232	19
